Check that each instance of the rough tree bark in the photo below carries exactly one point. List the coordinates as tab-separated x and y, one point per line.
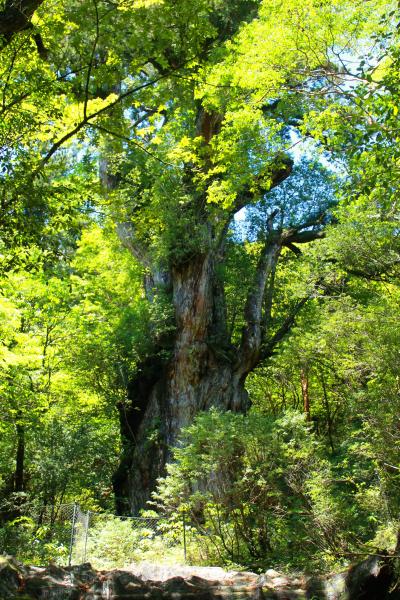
166	397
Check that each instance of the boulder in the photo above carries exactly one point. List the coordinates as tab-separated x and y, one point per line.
11	577
271	574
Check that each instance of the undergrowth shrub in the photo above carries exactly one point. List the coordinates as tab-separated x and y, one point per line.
113	542
260	491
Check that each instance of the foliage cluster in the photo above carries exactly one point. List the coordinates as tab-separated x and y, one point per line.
258	490
69	340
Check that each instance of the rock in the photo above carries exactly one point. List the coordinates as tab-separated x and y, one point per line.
84	573
155	572
280	582
371	579
119	580
48	587
201	582
271	574
11	577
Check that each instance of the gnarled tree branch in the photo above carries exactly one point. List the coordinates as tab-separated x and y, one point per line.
303	237
269	345
254	344
252	335
16	16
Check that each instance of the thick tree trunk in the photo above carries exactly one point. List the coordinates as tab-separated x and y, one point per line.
204	369
166	398
171	403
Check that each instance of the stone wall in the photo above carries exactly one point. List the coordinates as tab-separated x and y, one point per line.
372	579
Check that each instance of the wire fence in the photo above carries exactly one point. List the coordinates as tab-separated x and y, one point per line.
106	540
69	535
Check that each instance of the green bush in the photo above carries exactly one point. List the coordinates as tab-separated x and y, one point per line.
114	542
257	491
35	544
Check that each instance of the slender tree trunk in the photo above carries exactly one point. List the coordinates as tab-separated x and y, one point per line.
305	393
19	459
328	413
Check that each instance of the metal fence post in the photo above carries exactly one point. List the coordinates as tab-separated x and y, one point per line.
184	537
73	524
86	534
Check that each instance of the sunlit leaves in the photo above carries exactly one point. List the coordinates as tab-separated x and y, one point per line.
69	341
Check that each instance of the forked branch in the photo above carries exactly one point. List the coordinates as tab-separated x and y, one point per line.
269	345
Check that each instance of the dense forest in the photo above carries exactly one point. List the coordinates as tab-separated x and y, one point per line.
199	276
